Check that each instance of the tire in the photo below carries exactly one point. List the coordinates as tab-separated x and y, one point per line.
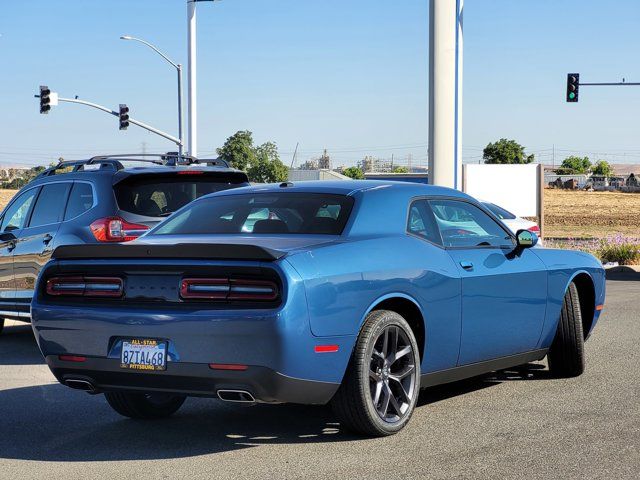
144	406
380	389
1	325
566	355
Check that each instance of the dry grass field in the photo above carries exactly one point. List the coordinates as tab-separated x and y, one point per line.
5	196
578	214
573	214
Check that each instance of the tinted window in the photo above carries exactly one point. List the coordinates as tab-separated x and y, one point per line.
266	213
422	223
462	224
499	212
50	204
161	196
80	200
16	215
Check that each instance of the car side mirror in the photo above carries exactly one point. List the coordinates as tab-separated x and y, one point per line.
7	237
526	239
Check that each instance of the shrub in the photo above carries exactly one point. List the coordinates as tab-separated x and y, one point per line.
625	251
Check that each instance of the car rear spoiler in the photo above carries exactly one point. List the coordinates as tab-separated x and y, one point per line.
208	251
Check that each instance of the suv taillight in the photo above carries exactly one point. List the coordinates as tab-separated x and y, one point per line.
85	286
115	229
535	229
228	289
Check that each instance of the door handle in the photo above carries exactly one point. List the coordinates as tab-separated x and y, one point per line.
466	265
47	238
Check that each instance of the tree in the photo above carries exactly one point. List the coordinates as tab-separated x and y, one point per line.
267	166
505	152
575	164
602	168
262	163
354	172
238	150
399	169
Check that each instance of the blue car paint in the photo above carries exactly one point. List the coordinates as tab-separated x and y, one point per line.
504	299
507	304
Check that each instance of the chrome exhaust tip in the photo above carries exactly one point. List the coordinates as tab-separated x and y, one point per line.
236	396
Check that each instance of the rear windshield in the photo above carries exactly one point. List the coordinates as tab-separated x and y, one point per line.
263	213
161	196
499	212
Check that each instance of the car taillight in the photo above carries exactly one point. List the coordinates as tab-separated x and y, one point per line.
85	286
115	229
535	229
228	289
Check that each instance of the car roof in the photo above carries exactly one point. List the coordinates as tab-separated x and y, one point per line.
347	187
127	171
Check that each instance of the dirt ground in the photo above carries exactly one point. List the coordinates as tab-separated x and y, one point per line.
572	214
5	196
577	214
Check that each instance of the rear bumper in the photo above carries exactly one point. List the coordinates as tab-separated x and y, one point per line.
193	379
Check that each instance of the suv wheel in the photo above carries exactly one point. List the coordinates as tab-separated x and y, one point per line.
144	405
382	382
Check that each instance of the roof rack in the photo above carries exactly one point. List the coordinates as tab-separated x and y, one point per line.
114	162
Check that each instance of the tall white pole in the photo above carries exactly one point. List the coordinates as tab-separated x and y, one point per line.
445	93
191	81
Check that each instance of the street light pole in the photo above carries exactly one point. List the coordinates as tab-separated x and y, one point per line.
178	68
191	79
192	135
180	112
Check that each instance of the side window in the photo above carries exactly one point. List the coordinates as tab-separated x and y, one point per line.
462	224
421	222
16	215
50	204
80	200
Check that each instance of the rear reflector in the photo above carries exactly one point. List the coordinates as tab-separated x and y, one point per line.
326	348
115	229
228	289
85	286
71	358
228	366
599	307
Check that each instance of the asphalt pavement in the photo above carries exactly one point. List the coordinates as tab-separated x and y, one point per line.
512	424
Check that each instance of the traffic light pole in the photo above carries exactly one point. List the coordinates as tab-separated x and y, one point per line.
607	84
151	129
574	84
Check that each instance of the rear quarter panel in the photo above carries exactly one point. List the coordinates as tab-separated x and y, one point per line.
563	266
345	281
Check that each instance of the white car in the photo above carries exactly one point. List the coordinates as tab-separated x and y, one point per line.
510	220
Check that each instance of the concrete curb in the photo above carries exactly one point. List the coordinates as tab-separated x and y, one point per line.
623	272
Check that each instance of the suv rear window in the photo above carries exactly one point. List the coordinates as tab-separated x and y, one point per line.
160	196
263	213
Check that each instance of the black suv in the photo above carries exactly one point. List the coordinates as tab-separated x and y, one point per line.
104	199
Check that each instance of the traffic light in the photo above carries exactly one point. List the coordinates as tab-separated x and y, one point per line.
124	116
573	87
45	99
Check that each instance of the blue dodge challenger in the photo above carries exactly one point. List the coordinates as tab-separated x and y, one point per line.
357	293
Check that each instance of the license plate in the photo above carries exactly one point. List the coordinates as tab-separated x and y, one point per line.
144	355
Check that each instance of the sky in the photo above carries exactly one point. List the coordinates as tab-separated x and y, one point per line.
350	76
